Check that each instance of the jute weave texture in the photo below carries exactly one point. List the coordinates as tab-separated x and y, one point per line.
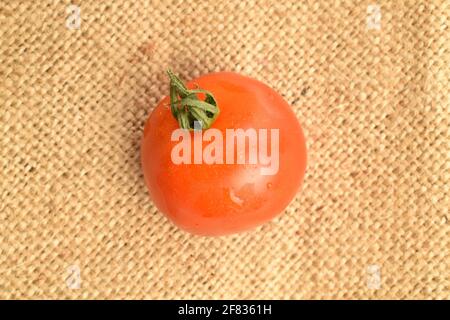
368	80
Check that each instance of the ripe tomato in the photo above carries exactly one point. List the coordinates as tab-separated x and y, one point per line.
218	199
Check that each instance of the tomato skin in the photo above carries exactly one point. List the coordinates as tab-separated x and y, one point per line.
220	199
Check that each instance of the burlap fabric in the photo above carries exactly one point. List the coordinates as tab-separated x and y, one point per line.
370	85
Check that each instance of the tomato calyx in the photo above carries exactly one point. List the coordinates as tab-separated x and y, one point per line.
185	105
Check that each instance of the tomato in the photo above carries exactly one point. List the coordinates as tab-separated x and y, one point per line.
224	197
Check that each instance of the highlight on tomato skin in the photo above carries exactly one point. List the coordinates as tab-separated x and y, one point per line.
222	154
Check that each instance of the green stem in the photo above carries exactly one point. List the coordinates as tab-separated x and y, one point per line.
187	108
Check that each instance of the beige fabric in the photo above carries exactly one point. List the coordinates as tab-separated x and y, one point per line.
372	219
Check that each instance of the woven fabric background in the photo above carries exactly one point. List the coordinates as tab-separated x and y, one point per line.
371	89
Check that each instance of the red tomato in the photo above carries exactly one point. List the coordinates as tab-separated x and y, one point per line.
218	199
